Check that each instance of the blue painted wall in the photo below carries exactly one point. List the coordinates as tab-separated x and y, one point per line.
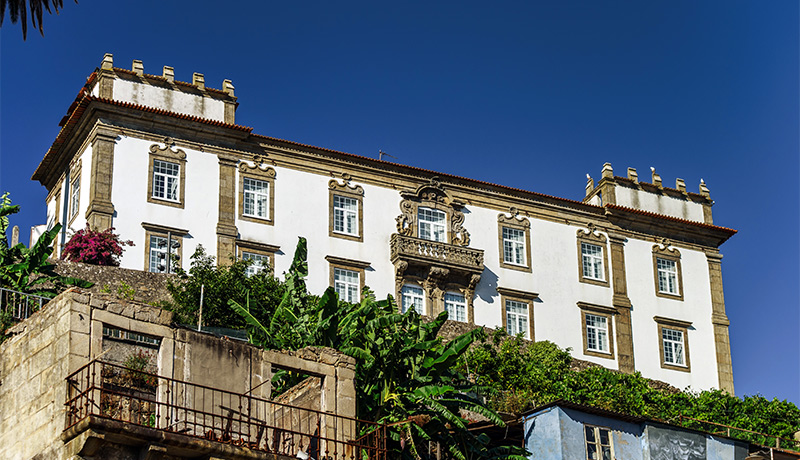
557	433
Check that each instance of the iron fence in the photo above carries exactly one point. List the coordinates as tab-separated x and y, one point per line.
116	392
20	304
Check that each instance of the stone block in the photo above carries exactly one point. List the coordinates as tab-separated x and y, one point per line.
43	359
97	301
79	344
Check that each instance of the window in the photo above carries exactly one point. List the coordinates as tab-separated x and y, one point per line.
158	254
456	307
673	346
121	334
75	197
598	443
260	263
346	203
346	284
432	224
592	257
513	246
345	215
517	318
256	197
673	336
166	181
256	193
598	332
517	311
347	277
166	178
514	235
667	271
412	296
667	276
592	260
155	247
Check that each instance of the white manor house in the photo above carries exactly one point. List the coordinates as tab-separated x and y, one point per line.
629	278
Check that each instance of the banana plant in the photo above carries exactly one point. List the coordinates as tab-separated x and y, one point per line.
406	377
27	269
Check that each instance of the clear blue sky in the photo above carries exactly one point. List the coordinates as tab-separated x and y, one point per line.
531	94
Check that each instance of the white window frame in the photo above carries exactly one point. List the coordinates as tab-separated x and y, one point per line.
257	199
432	224
455	304
514	246
517	321
344	286
171	182
412	295
592	261
597	442
75	197
154	249
596	332
674	347
667	276
260	262
345	219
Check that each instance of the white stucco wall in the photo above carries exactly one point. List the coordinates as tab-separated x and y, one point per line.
695	307
659	204
167	99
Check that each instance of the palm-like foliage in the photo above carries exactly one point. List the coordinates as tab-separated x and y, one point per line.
405	375
18	11
27	269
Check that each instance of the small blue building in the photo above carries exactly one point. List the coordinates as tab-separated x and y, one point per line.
565	431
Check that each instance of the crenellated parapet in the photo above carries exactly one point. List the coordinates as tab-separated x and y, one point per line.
652	196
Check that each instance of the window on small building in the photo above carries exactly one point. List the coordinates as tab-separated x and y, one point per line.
432	224
517	318
75	197
592	261
513	246
413	297
260	262
256	197
598	443
166	180
346	284
345	215
673	347
456	307
596	333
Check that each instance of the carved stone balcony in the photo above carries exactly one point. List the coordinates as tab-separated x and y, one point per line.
416	251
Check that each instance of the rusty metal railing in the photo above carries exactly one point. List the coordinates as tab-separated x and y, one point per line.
20	304
116	392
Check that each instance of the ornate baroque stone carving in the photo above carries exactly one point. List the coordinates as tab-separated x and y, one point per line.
432	195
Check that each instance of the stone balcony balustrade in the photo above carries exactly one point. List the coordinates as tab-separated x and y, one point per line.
417	251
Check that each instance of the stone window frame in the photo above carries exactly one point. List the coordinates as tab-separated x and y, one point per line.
161	231
348	264
677	325
167	154
262	249
598	310
592	236
519	296
433	196
516	222
346	190
256	172
664	251
75	177
56	196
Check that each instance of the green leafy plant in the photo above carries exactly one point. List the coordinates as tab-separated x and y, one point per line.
405	375
136	366
124	291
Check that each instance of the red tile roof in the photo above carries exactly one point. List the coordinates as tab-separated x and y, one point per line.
670	218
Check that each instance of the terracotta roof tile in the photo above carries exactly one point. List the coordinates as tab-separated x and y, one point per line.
168	113
674	219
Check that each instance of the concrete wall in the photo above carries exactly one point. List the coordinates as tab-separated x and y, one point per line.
660	204
68	332
135	92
